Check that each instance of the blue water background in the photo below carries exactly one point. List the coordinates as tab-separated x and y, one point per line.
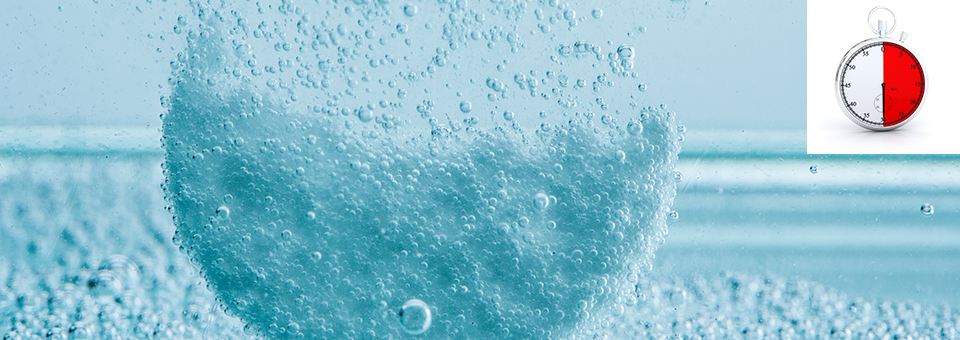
747	202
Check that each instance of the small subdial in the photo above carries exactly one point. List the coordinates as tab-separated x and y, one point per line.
882	103
877	104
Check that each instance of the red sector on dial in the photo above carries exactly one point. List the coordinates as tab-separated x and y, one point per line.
904	84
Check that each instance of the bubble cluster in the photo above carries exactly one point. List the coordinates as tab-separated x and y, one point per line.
437	217
623	60
345	207
741	306
87	255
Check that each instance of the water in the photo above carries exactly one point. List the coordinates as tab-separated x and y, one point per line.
89	248
87	253
462	169
430	206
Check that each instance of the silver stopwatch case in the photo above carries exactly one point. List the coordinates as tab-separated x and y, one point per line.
871	98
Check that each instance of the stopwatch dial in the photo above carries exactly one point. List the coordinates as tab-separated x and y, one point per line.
882	84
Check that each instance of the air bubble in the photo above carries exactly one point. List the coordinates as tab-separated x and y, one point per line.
513	38
465	106
415	316
494	84
365	114
508	115
123	268
634	128
410	10
625	52
813	169
926	209
597	13
223	212
105	283
541	201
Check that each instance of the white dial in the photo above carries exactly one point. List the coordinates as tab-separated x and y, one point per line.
880	84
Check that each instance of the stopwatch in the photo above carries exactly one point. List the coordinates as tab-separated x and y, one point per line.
880	84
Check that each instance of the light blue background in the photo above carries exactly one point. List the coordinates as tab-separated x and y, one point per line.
726	64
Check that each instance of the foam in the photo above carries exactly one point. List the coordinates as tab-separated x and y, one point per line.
87	254
334	223
66	220
738	305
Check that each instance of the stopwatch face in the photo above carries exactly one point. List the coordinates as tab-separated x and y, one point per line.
880	84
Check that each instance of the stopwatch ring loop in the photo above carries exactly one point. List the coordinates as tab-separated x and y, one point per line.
873	28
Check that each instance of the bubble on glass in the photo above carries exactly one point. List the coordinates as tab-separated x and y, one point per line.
814	169
415	316
926	209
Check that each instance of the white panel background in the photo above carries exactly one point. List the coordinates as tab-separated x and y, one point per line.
834	27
